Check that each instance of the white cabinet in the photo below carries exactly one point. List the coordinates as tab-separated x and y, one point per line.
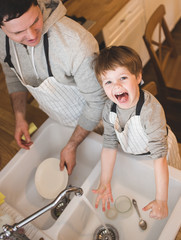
127	28
128	25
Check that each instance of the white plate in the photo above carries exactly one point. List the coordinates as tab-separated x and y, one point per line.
49	180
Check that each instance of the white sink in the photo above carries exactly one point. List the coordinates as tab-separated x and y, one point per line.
17	178
173	224
133	176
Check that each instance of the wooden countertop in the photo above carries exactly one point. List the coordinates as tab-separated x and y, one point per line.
100	11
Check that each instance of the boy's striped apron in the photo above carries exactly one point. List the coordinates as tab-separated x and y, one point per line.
134	140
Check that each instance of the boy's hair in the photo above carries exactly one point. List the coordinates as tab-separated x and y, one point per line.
117	56
10	9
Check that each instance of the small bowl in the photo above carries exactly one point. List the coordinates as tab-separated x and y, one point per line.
122	204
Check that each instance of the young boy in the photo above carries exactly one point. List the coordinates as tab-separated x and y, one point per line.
131	113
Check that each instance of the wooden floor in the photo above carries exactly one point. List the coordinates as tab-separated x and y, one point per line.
8	146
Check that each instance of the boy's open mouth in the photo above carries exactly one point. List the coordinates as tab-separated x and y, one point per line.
122	97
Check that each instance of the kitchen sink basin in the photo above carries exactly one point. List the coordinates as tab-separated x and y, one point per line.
133	177
173	224
17	178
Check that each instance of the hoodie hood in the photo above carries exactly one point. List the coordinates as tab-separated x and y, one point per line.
52	11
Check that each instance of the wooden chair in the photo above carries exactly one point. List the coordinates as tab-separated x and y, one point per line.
164	56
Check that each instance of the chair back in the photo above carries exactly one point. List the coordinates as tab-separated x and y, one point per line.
161	48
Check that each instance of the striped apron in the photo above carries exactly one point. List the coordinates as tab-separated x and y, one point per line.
63	103
134	140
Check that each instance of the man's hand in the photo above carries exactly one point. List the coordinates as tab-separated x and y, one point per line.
20	130
68	154
18	100
68	158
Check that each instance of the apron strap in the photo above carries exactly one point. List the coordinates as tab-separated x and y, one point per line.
46	49
8	56
140	102
113	107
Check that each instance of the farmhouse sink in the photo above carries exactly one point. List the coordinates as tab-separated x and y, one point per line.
133	177
17	178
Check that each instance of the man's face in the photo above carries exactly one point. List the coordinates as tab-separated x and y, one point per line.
26	29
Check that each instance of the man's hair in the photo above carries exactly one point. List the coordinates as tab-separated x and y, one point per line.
117	56
10	9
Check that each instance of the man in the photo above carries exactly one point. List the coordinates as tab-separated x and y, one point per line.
50	55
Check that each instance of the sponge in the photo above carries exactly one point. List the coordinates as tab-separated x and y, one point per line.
32	129
2	197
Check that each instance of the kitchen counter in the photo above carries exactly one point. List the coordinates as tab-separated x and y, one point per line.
99	11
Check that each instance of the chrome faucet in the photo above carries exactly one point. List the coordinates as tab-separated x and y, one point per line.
8	229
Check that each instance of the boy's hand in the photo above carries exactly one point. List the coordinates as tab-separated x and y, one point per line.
104	194
159	209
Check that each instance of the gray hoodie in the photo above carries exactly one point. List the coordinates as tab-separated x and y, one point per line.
71	51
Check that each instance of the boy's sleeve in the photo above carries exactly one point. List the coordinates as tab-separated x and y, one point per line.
110	138
154	121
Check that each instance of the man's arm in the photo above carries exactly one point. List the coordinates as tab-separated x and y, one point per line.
18	100
68	154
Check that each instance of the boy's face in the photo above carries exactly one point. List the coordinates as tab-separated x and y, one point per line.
27	28
121	87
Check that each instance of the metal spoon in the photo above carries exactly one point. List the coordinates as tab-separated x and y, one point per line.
142	223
